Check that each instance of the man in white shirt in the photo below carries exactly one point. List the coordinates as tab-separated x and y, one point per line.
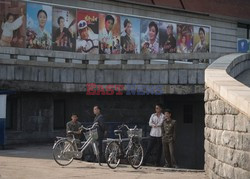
155	122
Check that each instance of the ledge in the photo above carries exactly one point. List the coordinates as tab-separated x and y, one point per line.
217	77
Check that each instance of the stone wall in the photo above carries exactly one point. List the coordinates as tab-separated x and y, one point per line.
227	139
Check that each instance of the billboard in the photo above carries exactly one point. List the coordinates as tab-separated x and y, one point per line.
39	26
109	34
88	30
13	23
130	35
64	29
149	36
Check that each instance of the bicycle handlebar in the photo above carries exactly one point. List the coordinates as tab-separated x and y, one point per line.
92	127
124	125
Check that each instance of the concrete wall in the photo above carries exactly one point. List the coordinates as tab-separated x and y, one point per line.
19	75
227	120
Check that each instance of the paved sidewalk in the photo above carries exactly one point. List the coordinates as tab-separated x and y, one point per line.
28	162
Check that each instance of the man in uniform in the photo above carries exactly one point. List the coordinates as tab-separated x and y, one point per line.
170	44
74	126
127	41
168	138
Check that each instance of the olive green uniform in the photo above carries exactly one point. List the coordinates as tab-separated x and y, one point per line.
73	126
168	139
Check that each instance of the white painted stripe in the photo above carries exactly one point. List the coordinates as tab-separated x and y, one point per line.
3	105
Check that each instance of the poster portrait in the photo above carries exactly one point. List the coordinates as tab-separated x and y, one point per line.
87	32
149	36
184	38
201	39
109	34
167	37
39	26
13	23
63	29
130	35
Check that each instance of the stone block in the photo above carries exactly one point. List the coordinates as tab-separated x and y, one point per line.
3	72
77	76
218	137
70	75
48	74
136	76
183	76
173	77
241	174
230	110
200	75
99	76
145	77
34	74
212	95
192	76
208	121
241	123
164	77
127	76
83	76
226	171
206	95
18	73
228	122
244	161
231	139
26	73
218	107
246	142
41	74
56	74
10	73
208	107
117	76
213	135
207	133
90	74
63	75
219	122
155	77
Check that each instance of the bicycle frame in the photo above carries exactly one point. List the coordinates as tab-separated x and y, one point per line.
76	152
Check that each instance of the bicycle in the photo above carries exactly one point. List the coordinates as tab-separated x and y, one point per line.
65	149
133	152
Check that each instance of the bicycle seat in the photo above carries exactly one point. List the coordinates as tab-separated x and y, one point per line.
117	132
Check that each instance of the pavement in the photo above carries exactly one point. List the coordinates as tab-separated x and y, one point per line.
36	161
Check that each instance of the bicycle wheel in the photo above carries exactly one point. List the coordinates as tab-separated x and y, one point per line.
63	152
135	155
112	154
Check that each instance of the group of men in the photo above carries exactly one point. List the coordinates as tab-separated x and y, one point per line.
162	134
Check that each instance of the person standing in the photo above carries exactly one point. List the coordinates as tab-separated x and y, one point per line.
155	122
168	138
101	127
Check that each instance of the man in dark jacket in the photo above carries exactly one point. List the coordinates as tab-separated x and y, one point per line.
168	138
101	127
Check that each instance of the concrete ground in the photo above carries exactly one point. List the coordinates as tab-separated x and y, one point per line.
35	161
